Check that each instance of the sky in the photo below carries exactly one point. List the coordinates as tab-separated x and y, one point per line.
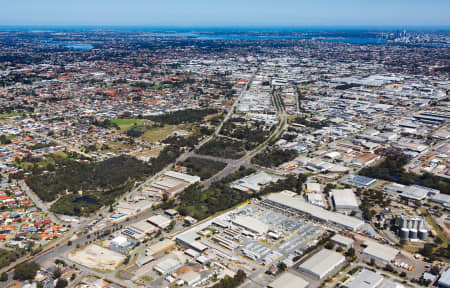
226	13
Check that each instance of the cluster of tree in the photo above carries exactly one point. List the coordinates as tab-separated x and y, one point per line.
4	139
391	169
20	78
367	210
223	147
101	182
293	183
252	134
107	124
182	141
423	282
444	252
329	245
346	86
7	257
206	130
183	116
48	163
273	157
26	271
3	277
136	131
216	120
90	148
369	200
113	177
202	167
146	85
201	204
289	136
168	155
228	282
16	110
95	176
443	69
431	251
40	146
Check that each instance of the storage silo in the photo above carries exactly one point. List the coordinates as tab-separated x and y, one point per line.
404	233
413	233
423	234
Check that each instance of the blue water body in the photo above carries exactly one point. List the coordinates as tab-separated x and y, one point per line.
201	36
79	46
75	46
86	200
224	36
356	40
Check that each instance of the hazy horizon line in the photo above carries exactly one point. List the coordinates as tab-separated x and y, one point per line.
228	27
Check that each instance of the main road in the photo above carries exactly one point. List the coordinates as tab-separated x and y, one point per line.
246	159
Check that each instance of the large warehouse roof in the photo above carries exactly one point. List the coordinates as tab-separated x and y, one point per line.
289	280
185	177
160	221
342	240
365	279
444	281
344	198
322	263
380	252
361	181
295	203
251	224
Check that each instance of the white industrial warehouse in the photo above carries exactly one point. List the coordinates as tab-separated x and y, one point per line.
344	199
285	200
251	224
380	252
322	263
365	279
160	221
342	240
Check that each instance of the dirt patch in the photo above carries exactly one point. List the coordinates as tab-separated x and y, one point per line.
185	269
98	258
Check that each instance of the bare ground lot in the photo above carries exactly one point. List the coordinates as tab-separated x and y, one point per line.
98	258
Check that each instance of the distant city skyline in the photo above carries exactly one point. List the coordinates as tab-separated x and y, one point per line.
250	13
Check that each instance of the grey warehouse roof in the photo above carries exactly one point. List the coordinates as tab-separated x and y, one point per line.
365	279
347	222
289	280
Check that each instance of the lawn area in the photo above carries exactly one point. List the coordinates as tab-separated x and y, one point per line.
153	133
152	153
115	147
438	230
160	86
126	124
160	133
12	114
52	159
411	249
146	278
